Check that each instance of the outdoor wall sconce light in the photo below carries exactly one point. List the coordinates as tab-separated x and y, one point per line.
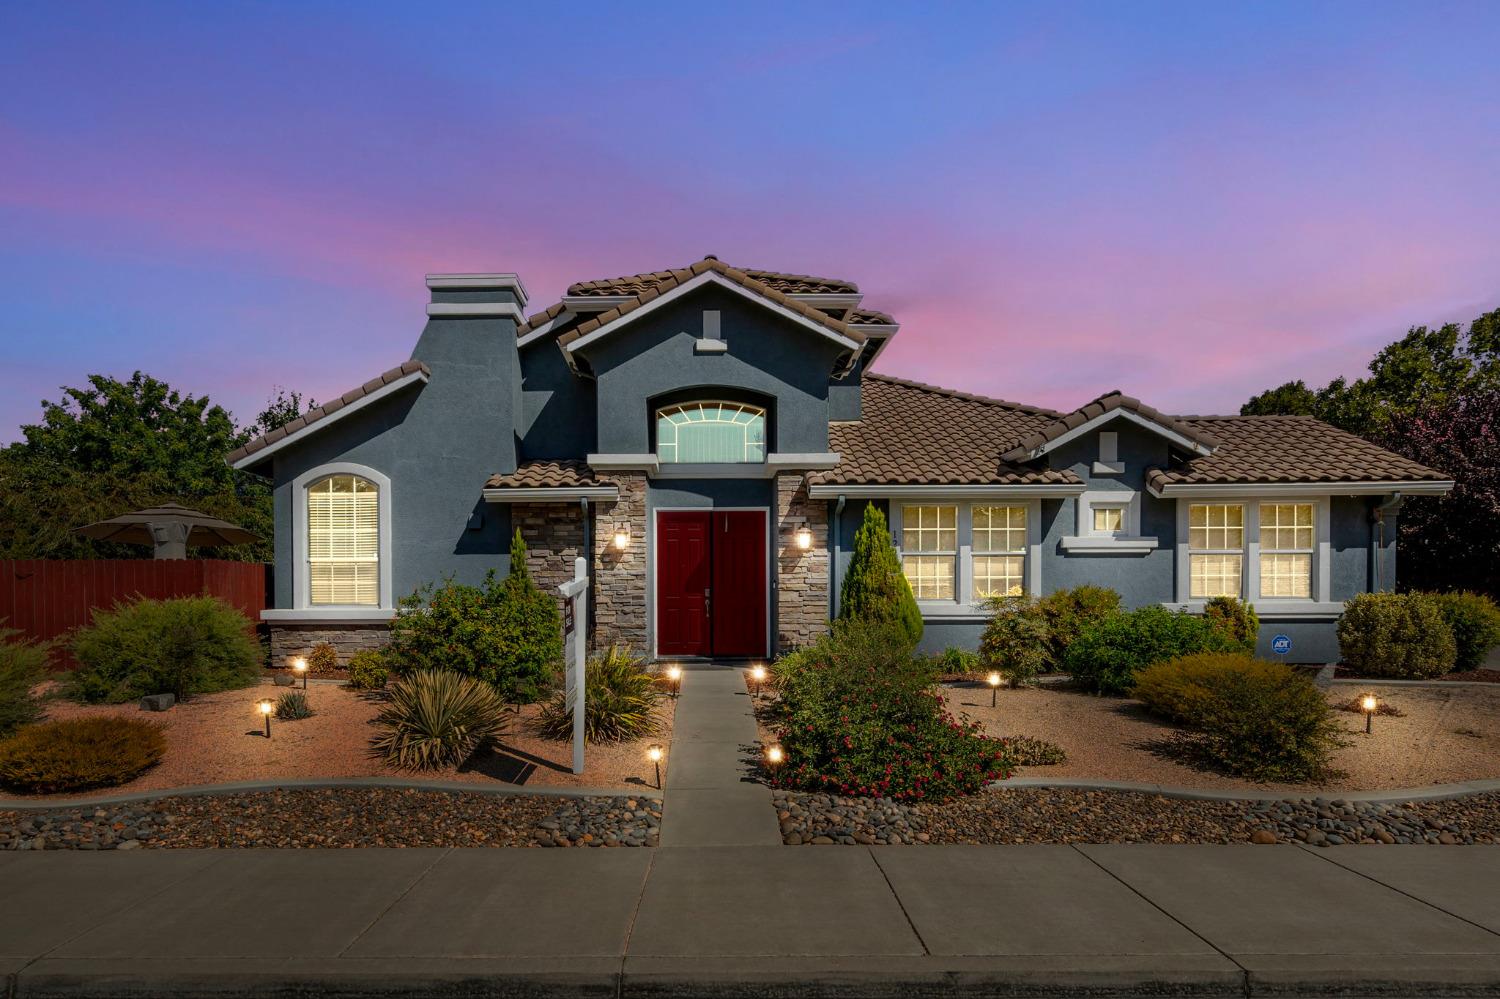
265	706
654	753
804	538
775	756
757	676
1369	703
994	681
674	676
622	538
299	666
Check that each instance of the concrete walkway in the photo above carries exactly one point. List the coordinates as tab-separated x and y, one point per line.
753	920
711	798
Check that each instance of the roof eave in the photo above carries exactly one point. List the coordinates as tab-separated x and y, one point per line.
1352	487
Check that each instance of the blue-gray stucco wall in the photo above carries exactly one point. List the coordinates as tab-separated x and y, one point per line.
437	443
767	355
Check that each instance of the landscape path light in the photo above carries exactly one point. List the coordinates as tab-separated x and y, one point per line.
758	676
994	681
674	676
265	706
299	666
1369	703
775	756
655	753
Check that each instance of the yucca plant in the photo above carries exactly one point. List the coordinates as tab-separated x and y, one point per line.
437	718
293	707
620	699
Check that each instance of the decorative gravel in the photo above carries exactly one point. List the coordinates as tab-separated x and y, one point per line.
339	818
1075	815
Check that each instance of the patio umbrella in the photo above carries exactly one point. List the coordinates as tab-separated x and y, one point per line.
168	529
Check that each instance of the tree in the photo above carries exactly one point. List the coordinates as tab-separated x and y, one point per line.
116	446
875	588
1453	541
281	409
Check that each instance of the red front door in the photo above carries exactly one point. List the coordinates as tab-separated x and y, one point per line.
711	583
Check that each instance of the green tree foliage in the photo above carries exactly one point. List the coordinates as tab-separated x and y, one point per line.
23	665
114	446
875	589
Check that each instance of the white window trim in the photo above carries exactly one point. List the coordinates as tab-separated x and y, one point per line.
301	582
1084	540
1318	604
964	605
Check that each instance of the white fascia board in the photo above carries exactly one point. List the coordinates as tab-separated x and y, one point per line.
829	300
550	494
687	288
944	492
329	615
594	303
623	462
476	310
1279	610
256	457
1122	414
534	335
478	282
1418	487
875	331
788	460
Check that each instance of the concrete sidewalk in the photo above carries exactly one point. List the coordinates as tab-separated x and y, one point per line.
754	920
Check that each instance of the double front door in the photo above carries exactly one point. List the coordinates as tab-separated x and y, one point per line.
711	583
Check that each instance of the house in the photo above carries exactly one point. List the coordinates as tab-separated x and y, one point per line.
708	438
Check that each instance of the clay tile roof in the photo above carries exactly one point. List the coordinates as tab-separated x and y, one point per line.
869	317
915	434
789	284
545	474
317	413
1106	403
1272	449
538	318
671	279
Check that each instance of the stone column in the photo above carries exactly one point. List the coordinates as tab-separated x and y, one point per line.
801	574
619	597
553	533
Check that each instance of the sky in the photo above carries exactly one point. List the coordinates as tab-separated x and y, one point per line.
1190	202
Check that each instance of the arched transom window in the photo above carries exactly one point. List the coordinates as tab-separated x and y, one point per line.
343	541
711	432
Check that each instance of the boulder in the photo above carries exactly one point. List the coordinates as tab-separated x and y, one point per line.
158	702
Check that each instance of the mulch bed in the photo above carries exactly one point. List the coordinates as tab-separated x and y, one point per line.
339	818
1481	675
1076	815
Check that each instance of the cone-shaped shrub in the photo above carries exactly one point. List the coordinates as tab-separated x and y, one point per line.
875	589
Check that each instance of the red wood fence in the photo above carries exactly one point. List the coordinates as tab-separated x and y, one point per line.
45	598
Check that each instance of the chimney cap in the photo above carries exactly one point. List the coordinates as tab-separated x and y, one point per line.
479	282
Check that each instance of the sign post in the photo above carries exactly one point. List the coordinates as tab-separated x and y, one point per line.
575	594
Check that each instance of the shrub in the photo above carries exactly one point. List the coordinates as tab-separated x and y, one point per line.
956	661
1396	635
859	715
23	664
1475	621
1109	653
1026	751
875	589
1235	620
506	633
293	707
1066	613
1015	641
322	658
1253	718
181	646
79	753
620	699
437	718
368	670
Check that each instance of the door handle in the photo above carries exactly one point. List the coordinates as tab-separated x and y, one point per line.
707	597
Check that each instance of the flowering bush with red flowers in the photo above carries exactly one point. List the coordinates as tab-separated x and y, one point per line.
859	714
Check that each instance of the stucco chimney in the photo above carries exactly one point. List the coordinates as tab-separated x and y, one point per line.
477	295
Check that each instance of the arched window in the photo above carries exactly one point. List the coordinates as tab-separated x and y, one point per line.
711	432
343	541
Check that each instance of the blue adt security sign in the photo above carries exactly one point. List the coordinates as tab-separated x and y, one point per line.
1281	645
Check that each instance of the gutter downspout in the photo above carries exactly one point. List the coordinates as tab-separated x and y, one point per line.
1391	505
833	569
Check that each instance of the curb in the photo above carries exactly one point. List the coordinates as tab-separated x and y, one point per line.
1431	792
236	787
